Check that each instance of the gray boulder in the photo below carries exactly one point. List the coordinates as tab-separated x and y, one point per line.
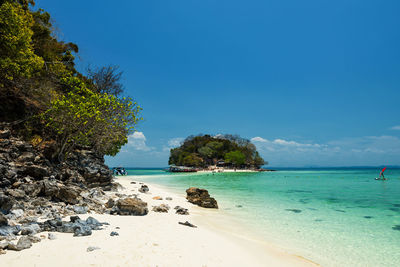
144	189
9	230
82	230
51	236
181	211
30	229
23	243
80	209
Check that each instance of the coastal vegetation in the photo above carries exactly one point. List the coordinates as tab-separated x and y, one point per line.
221	150
47	99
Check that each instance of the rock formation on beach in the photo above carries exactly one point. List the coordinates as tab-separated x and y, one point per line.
33	189
27	170
201	197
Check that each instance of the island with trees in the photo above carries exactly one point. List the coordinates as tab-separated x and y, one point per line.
215	153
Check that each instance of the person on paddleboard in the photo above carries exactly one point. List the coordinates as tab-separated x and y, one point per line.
381	174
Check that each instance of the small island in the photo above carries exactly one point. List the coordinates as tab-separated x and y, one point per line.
215	153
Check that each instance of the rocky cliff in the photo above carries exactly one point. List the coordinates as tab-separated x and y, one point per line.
26	173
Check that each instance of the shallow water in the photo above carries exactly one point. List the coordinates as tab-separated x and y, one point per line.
335	217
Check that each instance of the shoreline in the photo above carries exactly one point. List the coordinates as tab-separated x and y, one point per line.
155	239
212	219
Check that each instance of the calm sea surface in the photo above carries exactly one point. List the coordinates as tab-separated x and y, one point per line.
336	217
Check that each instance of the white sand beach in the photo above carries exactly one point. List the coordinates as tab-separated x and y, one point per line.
155	240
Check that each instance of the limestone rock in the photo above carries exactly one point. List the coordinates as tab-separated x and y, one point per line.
181	211
34	239
69	194
17	213
110	203
30	229
31	189
16	193
89	249
161	208
80	209
23	243
3	220
144	189
51	236
9	230
36	171
82	230
6	203
201	197
49	188
132	206
26	157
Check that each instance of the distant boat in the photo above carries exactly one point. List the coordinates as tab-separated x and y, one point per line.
181	169
119	171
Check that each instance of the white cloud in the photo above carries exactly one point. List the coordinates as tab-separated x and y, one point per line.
137	141
281	144
172	143
175	142
258	139
366	150
397	128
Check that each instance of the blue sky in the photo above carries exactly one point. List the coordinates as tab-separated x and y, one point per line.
311	82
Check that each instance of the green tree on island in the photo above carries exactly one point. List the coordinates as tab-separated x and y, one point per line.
236	157
207	150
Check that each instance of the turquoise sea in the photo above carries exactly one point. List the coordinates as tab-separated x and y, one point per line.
335	217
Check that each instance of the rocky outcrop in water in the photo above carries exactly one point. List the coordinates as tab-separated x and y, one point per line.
201	197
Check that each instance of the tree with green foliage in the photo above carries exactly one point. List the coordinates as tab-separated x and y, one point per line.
41	87
259	161
17	57
237	158
193	160
86	118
